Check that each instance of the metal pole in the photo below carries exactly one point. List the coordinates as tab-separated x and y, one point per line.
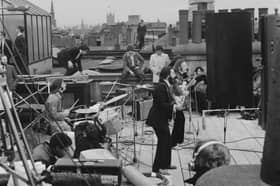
134	125
22	133
16	136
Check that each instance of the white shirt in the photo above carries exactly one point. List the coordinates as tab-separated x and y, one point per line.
157	62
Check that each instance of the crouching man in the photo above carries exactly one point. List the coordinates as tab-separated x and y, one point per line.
58	147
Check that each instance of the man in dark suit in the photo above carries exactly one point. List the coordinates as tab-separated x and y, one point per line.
159	116
141	32
21	51
133	64
5	46
70	58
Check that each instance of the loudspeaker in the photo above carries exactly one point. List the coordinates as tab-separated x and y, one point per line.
143	108
270	118
229	59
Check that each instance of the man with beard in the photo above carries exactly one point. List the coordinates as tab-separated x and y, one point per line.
161	112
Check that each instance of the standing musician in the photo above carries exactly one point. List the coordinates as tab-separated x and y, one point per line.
159	116
181	96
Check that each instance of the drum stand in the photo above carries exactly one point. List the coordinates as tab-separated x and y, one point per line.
14	136
134	115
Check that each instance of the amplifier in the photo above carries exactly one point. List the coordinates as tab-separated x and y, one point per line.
92	166
143	108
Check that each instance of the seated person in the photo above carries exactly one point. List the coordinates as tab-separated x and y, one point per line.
133	64
58	147
54	111
208	155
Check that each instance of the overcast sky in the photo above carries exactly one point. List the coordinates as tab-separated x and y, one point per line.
70	12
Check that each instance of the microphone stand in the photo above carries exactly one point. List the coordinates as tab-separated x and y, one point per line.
190	115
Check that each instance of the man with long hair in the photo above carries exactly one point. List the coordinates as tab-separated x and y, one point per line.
54	111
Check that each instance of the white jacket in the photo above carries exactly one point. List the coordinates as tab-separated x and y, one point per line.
157	62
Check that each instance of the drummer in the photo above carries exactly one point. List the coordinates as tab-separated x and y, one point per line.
54	111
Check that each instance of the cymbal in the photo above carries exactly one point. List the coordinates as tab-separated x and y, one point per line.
86	111
106	83
115	99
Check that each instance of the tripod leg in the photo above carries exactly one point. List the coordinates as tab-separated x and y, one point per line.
19	126
11	155
6	105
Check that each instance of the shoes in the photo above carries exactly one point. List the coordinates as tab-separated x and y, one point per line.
172	167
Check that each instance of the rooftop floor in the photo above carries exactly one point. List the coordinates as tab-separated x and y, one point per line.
244	139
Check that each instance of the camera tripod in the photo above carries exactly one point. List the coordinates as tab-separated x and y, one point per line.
12	133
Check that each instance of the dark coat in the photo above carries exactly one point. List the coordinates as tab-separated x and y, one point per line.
138	60
20	52
141	30
20	46
70	54
162	107
11	77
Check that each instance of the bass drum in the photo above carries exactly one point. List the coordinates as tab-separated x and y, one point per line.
111	119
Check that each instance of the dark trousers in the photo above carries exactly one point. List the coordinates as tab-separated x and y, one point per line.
163	152
71	71
200	100
141	40
178	129
22	65
137	72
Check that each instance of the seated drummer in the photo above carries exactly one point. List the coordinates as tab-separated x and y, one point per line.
207	155
58	147
54	111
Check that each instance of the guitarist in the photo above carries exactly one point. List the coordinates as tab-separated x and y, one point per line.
180	92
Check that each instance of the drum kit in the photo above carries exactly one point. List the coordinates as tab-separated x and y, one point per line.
109	117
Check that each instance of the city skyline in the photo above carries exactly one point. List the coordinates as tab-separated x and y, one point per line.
69	13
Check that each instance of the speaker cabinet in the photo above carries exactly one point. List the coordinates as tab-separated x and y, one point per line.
143	108
229	59
270	119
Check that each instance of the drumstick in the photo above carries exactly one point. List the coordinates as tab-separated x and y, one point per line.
74	104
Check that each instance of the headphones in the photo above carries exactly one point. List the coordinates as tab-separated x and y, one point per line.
199	150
